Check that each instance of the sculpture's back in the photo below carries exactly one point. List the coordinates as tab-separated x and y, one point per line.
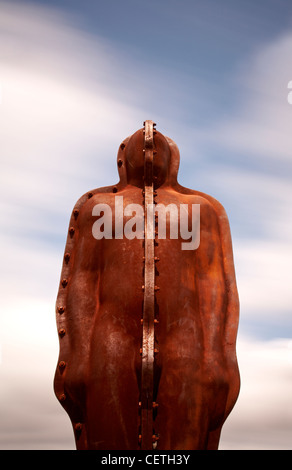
147	329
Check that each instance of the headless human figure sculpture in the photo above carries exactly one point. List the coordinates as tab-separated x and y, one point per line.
99	306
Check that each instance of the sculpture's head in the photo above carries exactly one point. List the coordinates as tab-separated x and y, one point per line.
131	160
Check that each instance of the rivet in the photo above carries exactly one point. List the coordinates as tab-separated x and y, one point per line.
76	212
89	195
155	438
156	258
115	190
62	331
61	310
78	427
141	321
62	365
62	397
156	321
64	282
72	231
67	257
141	351
122	146
120	163
155	405
140	404
156	351
156	288
140	438
143	288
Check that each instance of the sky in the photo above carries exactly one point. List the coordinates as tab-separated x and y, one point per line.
76	78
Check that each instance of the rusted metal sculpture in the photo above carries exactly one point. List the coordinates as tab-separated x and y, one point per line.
147	330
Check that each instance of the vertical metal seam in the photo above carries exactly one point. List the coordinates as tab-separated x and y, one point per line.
147	379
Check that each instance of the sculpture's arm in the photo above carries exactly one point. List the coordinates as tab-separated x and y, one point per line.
218	307
232	305
75	310
223	235
232	310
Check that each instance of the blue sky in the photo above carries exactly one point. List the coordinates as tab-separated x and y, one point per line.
76	78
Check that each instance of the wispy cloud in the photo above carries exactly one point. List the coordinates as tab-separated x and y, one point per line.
261	125
261	419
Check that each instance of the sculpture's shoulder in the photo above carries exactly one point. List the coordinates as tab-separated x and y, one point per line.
94	195
208	204
84	205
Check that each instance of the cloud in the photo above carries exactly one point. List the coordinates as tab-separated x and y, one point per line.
261	125
263	280
31	417
261	418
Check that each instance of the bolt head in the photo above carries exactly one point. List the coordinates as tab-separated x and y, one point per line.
62	365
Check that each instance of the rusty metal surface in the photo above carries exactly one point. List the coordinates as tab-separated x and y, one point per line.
151	367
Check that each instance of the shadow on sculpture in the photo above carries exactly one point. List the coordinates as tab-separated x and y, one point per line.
147	323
